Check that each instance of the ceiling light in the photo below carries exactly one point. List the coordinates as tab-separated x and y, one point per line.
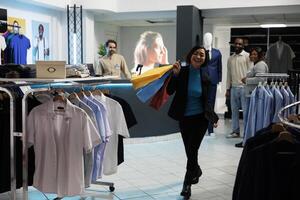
273	25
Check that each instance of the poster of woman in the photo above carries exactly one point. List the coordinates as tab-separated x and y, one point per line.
40	41
149	52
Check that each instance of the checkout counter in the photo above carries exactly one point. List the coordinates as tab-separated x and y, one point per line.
150	122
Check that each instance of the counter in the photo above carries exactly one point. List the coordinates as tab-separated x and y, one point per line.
150	121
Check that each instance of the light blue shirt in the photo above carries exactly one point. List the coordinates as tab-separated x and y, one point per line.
260	108
278	102
98	115
251	119
99	149
194	103
88	158
286	101
269	108
292	100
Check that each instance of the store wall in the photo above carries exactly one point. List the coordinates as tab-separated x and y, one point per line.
103	32
57	26
130	35
221	39
88	24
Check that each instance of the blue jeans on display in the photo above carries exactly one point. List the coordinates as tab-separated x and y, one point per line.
212	100
237	101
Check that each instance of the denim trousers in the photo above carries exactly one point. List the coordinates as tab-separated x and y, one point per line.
237	101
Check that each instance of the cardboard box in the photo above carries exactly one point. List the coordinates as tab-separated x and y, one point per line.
51	69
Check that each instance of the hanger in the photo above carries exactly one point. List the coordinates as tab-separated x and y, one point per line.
278	127
285	136
59	95
105	91
293	118
87	93
73	95
97	92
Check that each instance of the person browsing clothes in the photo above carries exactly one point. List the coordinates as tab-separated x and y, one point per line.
191	108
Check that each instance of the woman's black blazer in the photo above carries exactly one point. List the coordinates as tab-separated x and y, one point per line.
179	84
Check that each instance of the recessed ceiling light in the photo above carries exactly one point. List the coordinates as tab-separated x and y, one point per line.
273	25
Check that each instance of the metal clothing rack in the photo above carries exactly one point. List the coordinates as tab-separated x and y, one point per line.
283	119
31	82
252	82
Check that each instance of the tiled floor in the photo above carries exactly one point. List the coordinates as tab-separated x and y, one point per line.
154	169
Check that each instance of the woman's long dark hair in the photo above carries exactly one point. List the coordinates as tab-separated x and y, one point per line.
260	53
192	51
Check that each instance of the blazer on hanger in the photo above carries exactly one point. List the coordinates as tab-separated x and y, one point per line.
179	84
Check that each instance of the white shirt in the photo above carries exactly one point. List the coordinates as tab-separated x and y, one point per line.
118	126
2	45
237	67
41	45
59	140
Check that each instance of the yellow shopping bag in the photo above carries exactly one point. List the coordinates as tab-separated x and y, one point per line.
149	76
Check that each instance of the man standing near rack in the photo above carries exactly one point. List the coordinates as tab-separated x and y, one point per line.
237	66
112	64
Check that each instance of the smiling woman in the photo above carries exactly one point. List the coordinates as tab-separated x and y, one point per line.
192	110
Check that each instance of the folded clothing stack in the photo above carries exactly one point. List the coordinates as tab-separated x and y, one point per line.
78	71
17	71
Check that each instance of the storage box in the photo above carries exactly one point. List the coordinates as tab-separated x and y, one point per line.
51	69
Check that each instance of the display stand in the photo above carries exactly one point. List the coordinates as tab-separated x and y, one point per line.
51	85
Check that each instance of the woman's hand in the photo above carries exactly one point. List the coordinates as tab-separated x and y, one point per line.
215	125
176	68
244	80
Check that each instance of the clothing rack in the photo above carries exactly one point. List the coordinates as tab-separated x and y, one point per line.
31	82
252	82
12	144
284	120
272	75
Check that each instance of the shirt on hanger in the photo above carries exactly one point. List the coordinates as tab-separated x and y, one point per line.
118	126
2	45
59	140
88	158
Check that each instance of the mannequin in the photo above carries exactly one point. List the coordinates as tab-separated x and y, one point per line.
214	70
207	42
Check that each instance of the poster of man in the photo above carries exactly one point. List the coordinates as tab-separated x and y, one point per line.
19	25
40	41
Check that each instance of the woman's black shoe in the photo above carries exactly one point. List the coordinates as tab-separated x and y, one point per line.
186	191
196	179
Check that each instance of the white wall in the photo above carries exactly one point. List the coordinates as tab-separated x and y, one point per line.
221	42
88	37
103	32
130	35
57	26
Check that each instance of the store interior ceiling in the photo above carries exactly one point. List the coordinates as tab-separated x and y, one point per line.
289	15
